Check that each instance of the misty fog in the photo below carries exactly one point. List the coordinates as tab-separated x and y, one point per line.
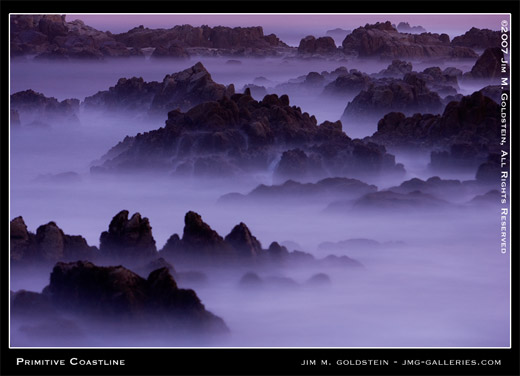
437	278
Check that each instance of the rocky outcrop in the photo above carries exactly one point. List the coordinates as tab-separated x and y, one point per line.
239	135
349	83
489	171
118	296
128	239
338	33
48	245
33	107
225	40
397	69
435	186
181	90
489	65
317	46
202	246
244	243
409	95
51	37
478	39
173	51
459	156
404	27
382	40
475	119
295	191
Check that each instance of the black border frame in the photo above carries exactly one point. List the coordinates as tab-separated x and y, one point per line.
254	361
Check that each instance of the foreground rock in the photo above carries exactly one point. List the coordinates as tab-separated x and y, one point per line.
35	109
382	40
239	135
48	245
182	90
117	296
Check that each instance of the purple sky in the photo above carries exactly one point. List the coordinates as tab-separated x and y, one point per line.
293	27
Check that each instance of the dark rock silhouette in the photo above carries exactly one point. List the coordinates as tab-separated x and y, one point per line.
478	38
474	120
489	171
173	51
312	45
51	37
48	245
242	41
349	83
397	69
32	106
488	65
338	33
409	95
128	239
241	239
117	295
384	41
181	90
239	135
387	200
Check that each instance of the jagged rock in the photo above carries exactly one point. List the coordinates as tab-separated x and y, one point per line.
312	45
25	303
239	135
244	243
233	41
117	295
295	164
409	95
21	240
49	244
174	51
199	242
404	27
31	106
475	119
397	69
158	263
384	41
51	37
181	90
488	65
128	239
348	83
478	38
494	92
